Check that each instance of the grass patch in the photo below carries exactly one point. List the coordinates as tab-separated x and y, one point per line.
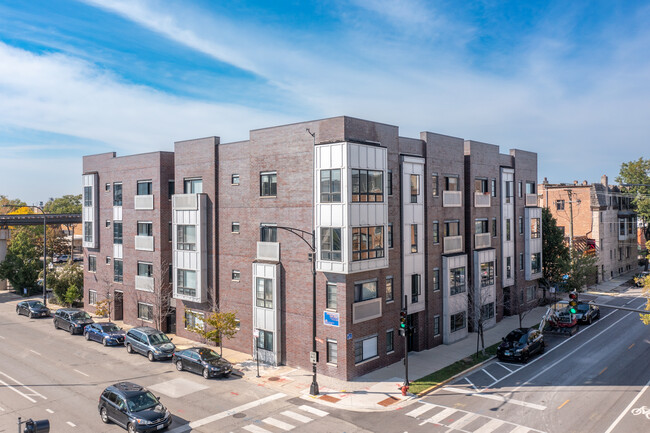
449	371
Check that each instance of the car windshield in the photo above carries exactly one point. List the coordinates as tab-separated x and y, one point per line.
81	315
109	327
36	304
208	355
143	401
517	336
583	307
158	338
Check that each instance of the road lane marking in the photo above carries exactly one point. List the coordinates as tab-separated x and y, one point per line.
2	382
313	410
227	413
562	405
486	372
33	393
49	411
627	409
296	416
70	424
496	397
255	429
279	424
501	364
470	382
420	410
81	372
602	371
631	346
33	351
490	426
462	422
445	413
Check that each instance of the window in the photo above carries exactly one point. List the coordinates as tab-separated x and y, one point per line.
186	237
456	280
414	238
436	279
390	336
487	311
389	289
390	182
521	261
264	292
436	326
451	183
416	288
170	273
365	291
434	185
234	179
481	226
521	225
519	189
365	349
535	263
265	340
171	188
452	228
170	232
530	293
390	235
88	231
481	185
330	186
367	243
107	187
435	233
559	204
494	227
508	267
235	275
508	231
535	231
268	233
332	296
92	296
118	271
193	320
145	311
117	232
268	184
530	187
145	229
330	244
621	227
509	191
367	185
415	188
108	260
332	352
92	264
145	269
117	194
88	196
234	227
107	224
144	187
494	187
487	274
458	321
185	282
192	186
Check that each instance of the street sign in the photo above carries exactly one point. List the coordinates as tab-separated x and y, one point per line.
320	340
313	357
331	318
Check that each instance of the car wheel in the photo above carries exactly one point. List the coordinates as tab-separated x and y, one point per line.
17	311
206	373
131	428
86	336
104	415
105	342
150	356
179	365
589	320
56	326
129	349
30	315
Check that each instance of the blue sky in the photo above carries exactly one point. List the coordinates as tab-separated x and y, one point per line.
568	80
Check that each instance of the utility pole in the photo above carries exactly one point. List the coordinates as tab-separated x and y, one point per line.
570	220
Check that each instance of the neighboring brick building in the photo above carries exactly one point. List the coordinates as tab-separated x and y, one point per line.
603	220
396	219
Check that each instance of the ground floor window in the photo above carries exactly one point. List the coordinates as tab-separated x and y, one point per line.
530	293
193	320
487	311
389	341
365	348
332	352
458	321
145	311
436	325
265	340
92	297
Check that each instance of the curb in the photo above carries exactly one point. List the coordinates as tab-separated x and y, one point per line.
446	381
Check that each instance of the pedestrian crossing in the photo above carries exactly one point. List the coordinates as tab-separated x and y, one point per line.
286	420
464	421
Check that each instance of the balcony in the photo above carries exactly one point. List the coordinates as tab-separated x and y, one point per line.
366	310
452	244
481	199
269	251
452	198
482	240
531	200
143	202
144	283
144	243
185	202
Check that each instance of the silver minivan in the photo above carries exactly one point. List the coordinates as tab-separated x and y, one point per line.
150	342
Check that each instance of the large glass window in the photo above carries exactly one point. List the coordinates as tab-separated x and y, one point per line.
365	349
192	186
330	244
457	280
193	320
144	187
416	287
145	269
117	232
367	243
145	229
487	274
330	186
487	311
535	263
186	237
481	226
530	187
451	183
268	184
145	311
186	282
367	185
365	291
332	296
332	352
509	191
389	289
88	196
268	232
415	188
117	194
452	228
265	340
264	293
535	229
118	271
458	321
414	238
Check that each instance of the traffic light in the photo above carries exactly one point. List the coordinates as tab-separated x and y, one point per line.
40	426
573	302
402	319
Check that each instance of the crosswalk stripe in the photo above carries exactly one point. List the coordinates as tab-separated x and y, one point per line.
462	422
520	429
296	416
425	407
492	425
441	415
279	424
313	410
255	429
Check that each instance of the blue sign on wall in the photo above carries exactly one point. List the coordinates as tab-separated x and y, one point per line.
330	318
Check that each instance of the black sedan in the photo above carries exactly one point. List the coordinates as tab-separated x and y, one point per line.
521	344
202	361
587	313
32	309
109	334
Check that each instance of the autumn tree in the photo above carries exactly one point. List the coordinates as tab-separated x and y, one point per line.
68	204
636	177
63	279
214	326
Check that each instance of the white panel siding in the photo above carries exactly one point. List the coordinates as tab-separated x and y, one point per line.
144	243
413	213
453	304
452	198
117	213
508	247
144	283
191	260
143	202
118	251
90	213
267	319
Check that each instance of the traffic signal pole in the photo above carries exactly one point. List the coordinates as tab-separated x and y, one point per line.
406	348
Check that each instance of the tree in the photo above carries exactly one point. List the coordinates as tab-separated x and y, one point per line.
73	294
160	298
21	265
637	173
214	326
64	278
582	270
68	204
7	205
555	253
103	307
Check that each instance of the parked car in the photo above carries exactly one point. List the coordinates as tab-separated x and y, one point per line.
134	408
72	320
32	309
587	313
520	344
639	279
152	343
107	333
201	360
63	258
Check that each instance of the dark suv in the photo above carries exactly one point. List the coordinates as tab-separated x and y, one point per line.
152	343
521	344
134	408
72	320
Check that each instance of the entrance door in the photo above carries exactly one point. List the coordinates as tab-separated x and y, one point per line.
171	321
119	305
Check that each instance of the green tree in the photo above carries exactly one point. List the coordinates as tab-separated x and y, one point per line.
68	204
555	253
637	174
7	205
582	270
64	278
65	204
73	294
214	326
21	265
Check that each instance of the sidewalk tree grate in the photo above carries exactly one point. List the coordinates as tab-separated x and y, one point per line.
330	399
387	402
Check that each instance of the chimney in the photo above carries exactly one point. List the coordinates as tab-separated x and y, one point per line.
584	183
545	181
603	180
575	182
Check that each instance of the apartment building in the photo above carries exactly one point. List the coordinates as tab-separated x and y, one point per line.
398	222
596	217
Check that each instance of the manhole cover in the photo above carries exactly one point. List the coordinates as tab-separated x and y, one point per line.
239	415
273	379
